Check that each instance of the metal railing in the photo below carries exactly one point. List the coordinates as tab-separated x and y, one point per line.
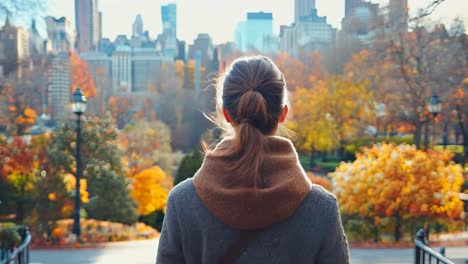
424	254
21	254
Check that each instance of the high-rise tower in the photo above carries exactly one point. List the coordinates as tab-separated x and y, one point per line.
137	26
87	25
303	8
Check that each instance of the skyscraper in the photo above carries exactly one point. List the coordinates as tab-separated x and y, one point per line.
350	5
399	14
169	24
122	69
87	25
252	33
303	8
137	26
60	34
59	86
14	49
169	19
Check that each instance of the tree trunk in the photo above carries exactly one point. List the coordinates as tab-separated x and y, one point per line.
417	134
426	136
397	233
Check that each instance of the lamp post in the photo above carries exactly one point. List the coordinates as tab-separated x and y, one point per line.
78	107
434	107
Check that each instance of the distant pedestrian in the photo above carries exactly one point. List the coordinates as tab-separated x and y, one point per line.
251	201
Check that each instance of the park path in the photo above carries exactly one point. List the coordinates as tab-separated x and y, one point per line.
144	252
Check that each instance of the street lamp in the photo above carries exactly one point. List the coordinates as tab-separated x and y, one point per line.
434	107
78	107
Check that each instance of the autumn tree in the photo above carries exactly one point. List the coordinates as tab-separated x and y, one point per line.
102	168
81	77
399	184
329	113
145	144
150	189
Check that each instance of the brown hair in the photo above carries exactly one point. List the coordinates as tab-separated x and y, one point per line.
253	92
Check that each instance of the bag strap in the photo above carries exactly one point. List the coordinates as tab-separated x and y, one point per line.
235	250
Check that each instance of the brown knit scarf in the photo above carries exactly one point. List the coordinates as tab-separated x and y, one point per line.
243	207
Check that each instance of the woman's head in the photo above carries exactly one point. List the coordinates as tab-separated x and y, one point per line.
254	93
252	96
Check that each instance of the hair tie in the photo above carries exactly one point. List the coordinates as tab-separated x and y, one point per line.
244	121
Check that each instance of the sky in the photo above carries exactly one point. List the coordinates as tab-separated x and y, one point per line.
220	17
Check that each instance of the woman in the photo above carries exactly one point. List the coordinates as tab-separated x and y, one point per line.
251	201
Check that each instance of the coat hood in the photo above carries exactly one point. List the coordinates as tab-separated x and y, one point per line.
243	207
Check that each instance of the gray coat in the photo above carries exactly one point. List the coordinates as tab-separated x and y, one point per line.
192	234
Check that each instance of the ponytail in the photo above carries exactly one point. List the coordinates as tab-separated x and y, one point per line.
253	92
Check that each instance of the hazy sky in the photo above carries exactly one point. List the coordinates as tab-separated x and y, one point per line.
220	17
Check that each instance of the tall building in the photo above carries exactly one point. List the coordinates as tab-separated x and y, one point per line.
100	67
60	34
361	20
146	64
351	4
122	69
169	19
398	10
36	42
253	33
137	29
168	39
59	87
14	50
311	32
87	25
302	8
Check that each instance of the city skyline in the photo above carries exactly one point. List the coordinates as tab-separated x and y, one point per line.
118	18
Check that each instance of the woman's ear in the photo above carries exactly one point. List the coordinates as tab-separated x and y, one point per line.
226	116
283	114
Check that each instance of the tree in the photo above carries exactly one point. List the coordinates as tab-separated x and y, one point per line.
189	166
331	112
18	175
149	188
80	76
399	184
146	144
101	156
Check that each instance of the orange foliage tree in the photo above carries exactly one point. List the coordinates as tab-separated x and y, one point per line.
399	184
150	189
80	76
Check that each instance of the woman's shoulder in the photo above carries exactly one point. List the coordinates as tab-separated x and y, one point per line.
184	191
320	200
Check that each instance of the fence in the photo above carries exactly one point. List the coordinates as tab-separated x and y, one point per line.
424	254
21	254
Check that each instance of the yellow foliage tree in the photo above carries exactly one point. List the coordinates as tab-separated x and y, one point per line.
400	184
330	112
150	189
70	182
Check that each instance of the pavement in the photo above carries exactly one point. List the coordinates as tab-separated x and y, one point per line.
144	252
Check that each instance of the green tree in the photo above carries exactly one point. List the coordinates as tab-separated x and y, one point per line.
189	166
108	189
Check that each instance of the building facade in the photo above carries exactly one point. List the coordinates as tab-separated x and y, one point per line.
60	35
302	8
168	38
137	29
255	33
14	50
87	25
122	69
59	87
310	33
146	66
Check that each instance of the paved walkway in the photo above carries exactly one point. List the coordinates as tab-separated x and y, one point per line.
144	252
